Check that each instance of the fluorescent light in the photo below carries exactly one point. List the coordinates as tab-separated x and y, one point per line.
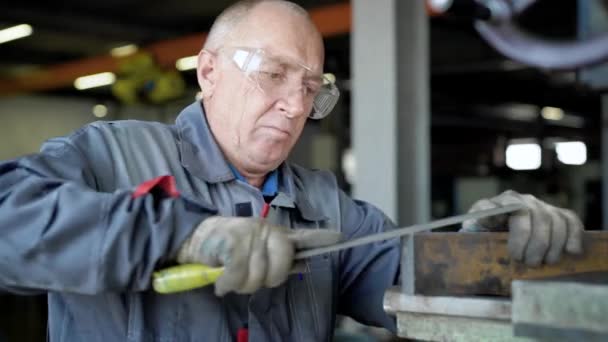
571	152
552	113
349	165
122	51
15	32
523	156
100	110
439	6
186	63
95	80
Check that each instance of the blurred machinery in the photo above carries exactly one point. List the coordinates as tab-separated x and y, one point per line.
465	287
495	21
141	80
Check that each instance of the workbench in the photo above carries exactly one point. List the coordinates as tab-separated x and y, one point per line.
464	287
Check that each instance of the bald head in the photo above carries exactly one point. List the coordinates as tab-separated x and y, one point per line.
225	26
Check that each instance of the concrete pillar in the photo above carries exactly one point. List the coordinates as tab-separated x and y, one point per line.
390	107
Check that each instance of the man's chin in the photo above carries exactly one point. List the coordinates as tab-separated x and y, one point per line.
269	160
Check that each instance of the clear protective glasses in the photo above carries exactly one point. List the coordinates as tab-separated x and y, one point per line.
274	75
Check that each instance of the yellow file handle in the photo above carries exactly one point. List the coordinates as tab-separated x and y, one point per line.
185	277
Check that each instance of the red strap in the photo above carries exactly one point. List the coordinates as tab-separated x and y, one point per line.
166	183
242	335
265	210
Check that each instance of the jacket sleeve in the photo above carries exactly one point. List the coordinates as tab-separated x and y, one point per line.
367	271
57	233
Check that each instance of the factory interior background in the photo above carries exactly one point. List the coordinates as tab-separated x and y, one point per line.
494	123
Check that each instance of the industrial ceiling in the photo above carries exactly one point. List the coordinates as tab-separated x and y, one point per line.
477	95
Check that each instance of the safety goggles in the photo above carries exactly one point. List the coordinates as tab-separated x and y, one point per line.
275	75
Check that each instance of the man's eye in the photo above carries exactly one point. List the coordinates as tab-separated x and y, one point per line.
272	75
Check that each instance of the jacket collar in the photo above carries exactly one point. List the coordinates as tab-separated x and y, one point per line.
299	195
200	153
202	157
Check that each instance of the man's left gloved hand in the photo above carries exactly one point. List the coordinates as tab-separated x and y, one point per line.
538	233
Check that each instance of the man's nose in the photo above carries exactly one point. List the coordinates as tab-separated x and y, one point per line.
292	103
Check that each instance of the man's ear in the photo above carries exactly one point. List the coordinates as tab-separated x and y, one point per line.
207	72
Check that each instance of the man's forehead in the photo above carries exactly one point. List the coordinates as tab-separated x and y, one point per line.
281	34
289	53
311	63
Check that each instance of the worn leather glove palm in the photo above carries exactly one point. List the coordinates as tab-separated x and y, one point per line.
538	233
254	253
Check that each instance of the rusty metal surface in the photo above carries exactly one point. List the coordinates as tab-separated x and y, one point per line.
479	263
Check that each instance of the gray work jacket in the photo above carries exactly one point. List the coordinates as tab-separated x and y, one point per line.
75	224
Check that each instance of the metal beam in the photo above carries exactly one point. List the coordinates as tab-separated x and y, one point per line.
429	327
477	307
331	20
479	263
556	310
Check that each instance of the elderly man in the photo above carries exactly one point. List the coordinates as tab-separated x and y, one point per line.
91	216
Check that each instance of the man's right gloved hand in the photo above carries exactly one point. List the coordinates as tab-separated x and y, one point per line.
254	253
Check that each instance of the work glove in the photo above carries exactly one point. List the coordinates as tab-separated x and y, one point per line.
539	232
253	252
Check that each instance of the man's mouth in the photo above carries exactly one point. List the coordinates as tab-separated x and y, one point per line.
277	130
